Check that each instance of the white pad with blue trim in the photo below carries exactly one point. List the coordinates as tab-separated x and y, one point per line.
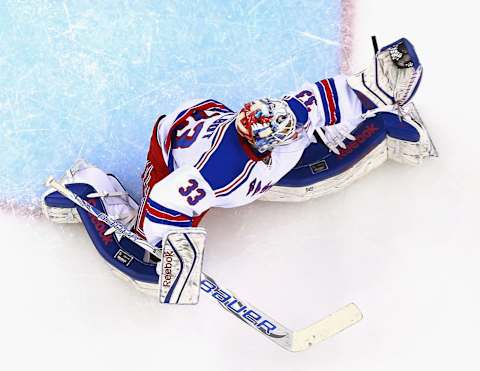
118	203
390	148
181	266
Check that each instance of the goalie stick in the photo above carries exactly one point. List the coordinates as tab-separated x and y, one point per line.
288	339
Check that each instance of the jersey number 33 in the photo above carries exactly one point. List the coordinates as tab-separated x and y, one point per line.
192	192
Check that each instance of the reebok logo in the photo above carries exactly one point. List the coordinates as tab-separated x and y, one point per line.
359	139
167	268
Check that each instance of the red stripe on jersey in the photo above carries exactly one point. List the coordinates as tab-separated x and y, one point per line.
331	101
155	171
242	177
164	215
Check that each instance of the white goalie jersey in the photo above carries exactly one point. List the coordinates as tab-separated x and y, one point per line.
197	160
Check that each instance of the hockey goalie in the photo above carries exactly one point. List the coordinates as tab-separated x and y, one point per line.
309	143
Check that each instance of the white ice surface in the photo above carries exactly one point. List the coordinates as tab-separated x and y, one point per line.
401	243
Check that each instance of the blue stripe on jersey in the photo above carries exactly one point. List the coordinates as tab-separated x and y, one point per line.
216	109
159	214
299	110
170	164
223	110
164	209
239	184
328	118
226	109
335	98
227	162
168	222
180	114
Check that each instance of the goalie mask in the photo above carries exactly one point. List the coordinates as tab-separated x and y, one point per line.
267	123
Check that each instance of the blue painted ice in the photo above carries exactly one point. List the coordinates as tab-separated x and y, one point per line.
87	79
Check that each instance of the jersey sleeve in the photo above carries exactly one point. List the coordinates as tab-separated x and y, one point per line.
325	102
187	118
175	201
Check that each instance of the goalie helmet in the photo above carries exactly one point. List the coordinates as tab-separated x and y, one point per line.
267	123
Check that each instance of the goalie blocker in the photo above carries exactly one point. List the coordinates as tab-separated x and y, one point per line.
175	278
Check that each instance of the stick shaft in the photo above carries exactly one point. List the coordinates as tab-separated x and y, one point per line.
228	301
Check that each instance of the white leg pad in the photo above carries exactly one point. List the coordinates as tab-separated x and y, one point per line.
371	161
412	153
181	266
61	215
117	201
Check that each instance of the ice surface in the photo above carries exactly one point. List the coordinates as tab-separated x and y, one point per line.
87	79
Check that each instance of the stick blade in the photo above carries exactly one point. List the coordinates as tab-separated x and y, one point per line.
325	328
